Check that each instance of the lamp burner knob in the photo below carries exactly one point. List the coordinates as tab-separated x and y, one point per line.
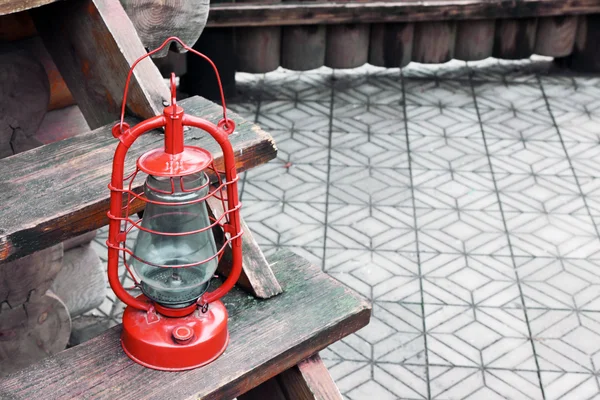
182	334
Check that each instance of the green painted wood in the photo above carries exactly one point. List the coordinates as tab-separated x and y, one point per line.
267	338
59	190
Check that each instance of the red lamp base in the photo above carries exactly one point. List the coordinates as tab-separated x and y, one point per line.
175	344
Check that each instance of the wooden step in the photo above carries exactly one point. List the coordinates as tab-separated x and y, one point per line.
69	178
267	338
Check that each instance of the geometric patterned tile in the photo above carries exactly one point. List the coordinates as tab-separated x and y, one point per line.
450	231
458	190
359	149
520	97
584	158
370	119
275	181
245	110
369	185
478	337
482	281
450	383
540	193
590	189
381	275
301	147
440	93
559	283
569	386
560	235
566	341
286	85
284	115
292	224
373	89
457	154
370	227
543	158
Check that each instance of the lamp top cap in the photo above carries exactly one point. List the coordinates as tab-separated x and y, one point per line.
191	160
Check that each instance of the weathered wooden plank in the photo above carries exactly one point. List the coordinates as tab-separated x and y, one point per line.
69	179
303	47
94	43
347	45
474	40
515	38
556	36
309	380
391	45
350	11
434	42
258	50
14	6
257	276
266	338
586	52
219	45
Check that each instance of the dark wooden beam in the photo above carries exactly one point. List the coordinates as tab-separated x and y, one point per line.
337	12
309	380
94	43
267	337
58	191
257	277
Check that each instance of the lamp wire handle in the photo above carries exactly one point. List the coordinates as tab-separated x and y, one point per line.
224	123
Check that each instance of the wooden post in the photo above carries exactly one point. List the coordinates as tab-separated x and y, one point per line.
219	45
81	283
434	42
257	276
391	44
34	323
474	39
347	45
156	20
556	36
586	52
308	380
93	44
303	47
515	38
258	49
34	331
25	95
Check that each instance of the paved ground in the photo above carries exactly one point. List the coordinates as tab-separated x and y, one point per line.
462	200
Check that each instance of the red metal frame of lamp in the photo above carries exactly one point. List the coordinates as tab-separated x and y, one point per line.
153	335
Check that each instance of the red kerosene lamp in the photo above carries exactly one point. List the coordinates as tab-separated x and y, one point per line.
175	324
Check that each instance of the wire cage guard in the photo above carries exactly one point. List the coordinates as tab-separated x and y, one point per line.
173	162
